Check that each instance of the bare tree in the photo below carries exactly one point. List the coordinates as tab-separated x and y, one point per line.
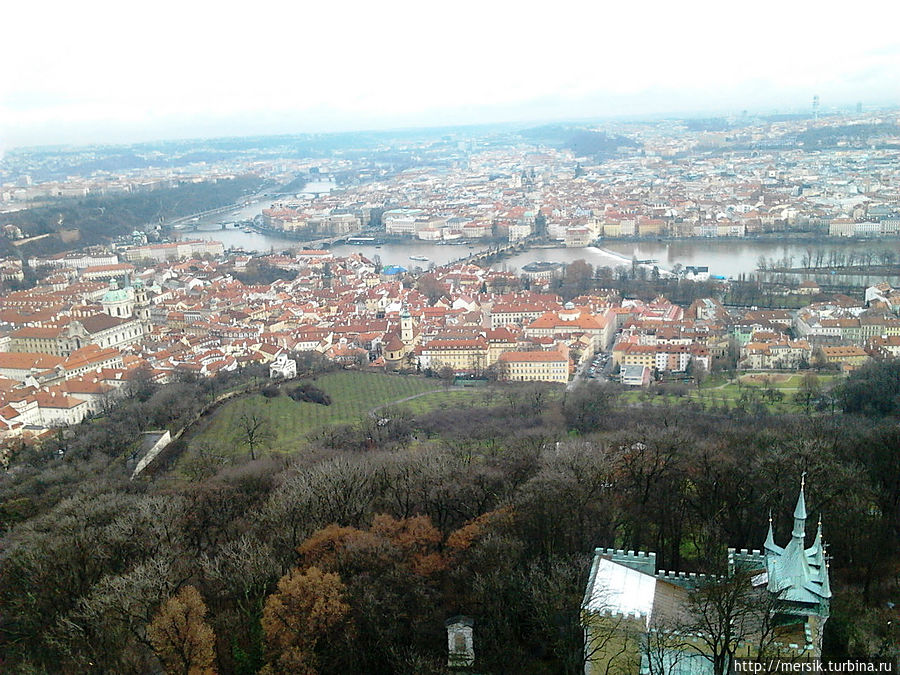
204	461
810	389
447	375
609	639
577	637
252	430
727	613
664	646
106	631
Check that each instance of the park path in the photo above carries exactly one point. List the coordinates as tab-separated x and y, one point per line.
728	382
405	399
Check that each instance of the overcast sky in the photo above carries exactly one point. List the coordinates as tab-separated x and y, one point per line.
115	72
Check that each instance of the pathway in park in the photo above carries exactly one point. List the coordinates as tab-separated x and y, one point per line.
404	400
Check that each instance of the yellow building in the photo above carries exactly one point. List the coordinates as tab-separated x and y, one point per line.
651	227
847	357
612	228
461	355
538	366
571	321
635	355
499	341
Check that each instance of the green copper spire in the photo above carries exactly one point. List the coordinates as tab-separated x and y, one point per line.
770	538
797	574
800	512
817	544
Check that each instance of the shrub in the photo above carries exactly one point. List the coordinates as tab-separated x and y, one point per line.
311	393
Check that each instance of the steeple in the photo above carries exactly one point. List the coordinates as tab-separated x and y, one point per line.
800	512
406	327
798	573
770	544
817	545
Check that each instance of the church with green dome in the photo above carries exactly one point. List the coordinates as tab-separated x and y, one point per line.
118	302
130	301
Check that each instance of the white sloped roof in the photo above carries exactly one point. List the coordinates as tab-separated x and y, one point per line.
621	590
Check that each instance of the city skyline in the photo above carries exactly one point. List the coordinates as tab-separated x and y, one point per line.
390	384
184	72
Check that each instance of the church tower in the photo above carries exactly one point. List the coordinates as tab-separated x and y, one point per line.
406	327
625	590
397	346
142	304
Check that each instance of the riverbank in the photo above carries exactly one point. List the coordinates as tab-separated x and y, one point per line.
845	270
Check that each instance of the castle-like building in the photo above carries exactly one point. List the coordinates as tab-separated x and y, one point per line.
633	613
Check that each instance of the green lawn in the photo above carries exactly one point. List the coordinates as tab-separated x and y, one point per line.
715	391
353	394
784	380
441	399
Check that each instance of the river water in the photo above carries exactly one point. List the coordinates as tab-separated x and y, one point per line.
734	257
210	228
726	258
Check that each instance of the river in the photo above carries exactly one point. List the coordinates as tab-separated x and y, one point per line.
727	258
733	257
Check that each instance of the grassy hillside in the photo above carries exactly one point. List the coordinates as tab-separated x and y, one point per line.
353	394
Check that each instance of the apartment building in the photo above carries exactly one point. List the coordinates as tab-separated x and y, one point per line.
535	366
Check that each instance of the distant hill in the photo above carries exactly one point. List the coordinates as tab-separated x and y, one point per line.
582	141
708	124
831	136
103	218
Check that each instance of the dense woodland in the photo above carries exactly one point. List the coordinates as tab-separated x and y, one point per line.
348	555
99	219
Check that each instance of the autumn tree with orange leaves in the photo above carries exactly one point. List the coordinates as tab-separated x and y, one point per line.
393	572
181	638
303	613
410	542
